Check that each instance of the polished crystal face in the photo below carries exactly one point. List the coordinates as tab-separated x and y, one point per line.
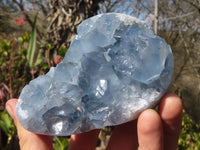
114	69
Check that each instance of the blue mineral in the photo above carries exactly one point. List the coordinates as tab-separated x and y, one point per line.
114	69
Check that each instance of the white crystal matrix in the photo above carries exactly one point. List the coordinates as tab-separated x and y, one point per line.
114	69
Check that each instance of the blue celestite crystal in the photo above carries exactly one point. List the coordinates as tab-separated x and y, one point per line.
114	69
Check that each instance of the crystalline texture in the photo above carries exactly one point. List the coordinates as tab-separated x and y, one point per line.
114	69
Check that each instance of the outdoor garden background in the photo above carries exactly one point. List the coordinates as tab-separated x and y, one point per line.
35	35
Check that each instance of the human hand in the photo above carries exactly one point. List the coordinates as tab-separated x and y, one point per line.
151	131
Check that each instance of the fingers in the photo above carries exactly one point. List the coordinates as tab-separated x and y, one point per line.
170	111
161	131
28	140
84	141
124	137
150	131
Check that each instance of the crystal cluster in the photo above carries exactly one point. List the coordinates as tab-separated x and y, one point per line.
114	69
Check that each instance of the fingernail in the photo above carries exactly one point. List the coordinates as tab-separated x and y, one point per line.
10	110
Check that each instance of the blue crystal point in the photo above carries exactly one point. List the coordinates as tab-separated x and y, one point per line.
114	69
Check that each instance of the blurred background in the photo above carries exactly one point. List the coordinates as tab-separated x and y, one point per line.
35	35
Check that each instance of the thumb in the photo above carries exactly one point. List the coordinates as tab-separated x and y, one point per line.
27	139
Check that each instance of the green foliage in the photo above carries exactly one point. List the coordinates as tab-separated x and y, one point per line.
14	71
5	48
61	143
33	54
190	134
6	124
62	51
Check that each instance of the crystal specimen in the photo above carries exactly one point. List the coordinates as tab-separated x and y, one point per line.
114	69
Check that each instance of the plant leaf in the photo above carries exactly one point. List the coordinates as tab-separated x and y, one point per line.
39	58
7	120
32	44
3	127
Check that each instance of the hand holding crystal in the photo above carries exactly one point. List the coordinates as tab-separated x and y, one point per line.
152	130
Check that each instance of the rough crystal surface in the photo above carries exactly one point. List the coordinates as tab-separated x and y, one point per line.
114	69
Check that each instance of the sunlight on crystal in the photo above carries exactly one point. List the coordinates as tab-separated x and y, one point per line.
57	127
101	88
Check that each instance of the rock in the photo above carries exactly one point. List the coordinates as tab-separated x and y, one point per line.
114	69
